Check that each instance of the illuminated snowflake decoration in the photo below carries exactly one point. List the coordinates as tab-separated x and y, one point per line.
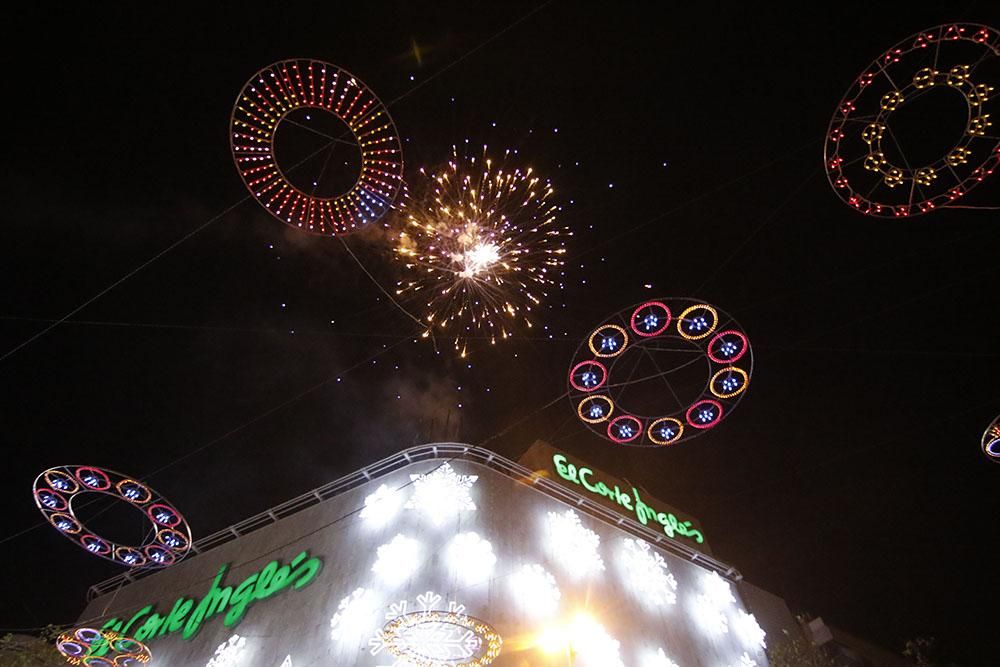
573	545
287	662
647	573
381	505
718	590
354	616
659	659
231	653
535	590
396	560
471	557
442	493
747	661
749	630
709	616
431	635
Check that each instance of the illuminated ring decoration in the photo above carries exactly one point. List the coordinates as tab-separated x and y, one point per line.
991	441
655	318
665	431
612	344
171	537
655	327
442	639
590	410
101	648
285	86
864	165
591	375
624	428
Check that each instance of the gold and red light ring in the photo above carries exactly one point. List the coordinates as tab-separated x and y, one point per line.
976	94
56	489
991	441
254	121
699	324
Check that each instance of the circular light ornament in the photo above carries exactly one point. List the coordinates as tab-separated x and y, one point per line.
991	441
101	648
171	537
865	164
603	383
289	85
434	637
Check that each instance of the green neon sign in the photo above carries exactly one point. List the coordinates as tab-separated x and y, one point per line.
187	617
633	503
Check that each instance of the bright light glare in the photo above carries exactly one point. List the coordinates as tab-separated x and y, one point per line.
585	639
535	590
718	590
478	259
658	659
749	630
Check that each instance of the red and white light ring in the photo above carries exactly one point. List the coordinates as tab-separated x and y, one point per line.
991	441
275	91
169	541
595	393
962	57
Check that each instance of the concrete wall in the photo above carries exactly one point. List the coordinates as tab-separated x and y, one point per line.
510	514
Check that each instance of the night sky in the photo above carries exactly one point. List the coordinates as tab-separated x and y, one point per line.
685	147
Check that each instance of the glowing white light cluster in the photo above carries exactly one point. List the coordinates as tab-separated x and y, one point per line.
747	661
442	493
535	590
230	653
647	573
658	659
478	259
749	629
587	640
355	615
381	505
718	590
287	662
471	557
573	545
397	559
709	616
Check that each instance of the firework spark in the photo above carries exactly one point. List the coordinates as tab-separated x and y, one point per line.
481	248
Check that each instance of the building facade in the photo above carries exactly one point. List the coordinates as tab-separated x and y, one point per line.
440	555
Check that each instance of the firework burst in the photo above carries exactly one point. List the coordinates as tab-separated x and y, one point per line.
481	248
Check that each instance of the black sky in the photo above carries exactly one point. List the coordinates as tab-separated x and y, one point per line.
849	480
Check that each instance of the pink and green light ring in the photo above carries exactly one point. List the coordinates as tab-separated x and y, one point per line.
701	327
283	87
101	648
865	165
56	489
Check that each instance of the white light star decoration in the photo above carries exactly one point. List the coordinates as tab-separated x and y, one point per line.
535	590
718	590
471	557
592	645
396	560
429	634
381	505
231	653
355	616
749	630
709	616
572	545
647	573
658	659
442	493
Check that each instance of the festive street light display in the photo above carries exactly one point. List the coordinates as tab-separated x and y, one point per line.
480	247
865	161
991	441
598	375
101	648
57	489
291	85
